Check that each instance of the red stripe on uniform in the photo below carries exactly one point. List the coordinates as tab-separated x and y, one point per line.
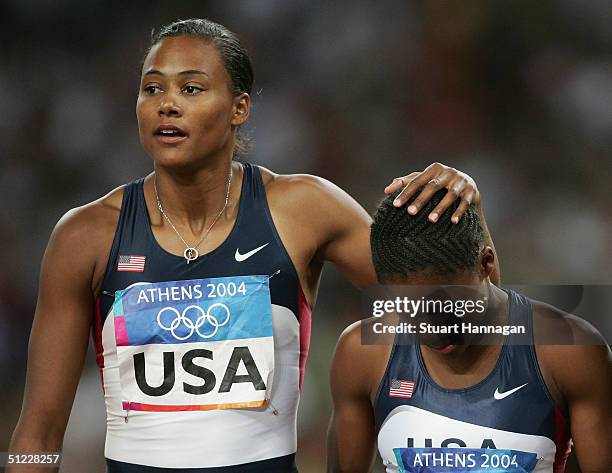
305	320
562	442
97	339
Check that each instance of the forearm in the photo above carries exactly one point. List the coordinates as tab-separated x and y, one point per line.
347	452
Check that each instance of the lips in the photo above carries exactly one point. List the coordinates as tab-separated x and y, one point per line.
444	349
167	133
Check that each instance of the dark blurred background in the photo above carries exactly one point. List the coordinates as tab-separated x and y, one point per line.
518	94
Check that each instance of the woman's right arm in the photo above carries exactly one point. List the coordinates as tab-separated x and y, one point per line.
60	332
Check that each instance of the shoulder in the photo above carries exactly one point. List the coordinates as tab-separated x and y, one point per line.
362	356
299	185
81	240
317	199
362	336
91	221
349	342
570	349
554	326
360	342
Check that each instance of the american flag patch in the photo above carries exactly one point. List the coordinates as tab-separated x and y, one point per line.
134	264
401	388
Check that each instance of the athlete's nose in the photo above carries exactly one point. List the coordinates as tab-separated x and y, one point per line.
168	107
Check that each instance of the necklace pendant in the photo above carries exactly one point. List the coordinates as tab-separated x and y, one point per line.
190	254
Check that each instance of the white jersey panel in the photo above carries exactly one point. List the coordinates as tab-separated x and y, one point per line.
202	439
406	422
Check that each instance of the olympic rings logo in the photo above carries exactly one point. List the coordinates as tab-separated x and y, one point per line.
206	318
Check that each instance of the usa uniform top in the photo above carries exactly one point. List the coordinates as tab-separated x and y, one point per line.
253	440
420	422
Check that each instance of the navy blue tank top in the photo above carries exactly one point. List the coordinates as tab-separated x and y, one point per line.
511	409
233	440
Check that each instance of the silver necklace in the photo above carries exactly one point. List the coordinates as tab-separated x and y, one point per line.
191	252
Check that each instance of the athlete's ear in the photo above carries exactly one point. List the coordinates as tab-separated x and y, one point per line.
241	109
486	265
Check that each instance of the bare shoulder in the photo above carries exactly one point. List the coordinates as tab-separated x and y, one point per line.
297	187
92	221
357	341
84	236
313	200
554	326
349	343
571	351
364	358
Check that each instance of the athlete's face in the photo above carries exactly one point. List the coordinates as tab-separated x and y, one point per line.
470	287
186	109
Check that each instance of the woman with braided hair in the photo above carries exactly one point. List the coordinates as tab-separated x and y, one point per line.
475	378
197	281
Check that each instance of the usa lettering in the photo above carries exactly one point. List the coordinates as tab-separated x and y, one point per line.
188	365
449	442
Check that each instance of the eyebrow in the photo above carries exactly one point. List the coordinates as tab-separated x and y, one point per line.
182	73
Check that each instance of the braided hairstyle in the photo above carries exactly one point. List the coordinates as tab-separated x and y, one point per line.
406	246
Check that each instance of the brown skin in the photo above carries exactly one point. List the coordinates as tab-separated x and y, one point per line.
579	378
191	178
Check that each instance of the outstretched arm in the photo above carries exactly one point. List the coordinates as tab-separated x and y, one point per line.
331	226
351	437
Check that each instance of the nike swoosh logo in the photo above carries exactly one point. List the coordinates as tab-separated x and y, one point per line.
497	395
246	256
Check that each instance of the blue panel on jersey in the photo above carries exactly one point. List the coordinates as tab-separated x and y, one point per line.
195	310
464	460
